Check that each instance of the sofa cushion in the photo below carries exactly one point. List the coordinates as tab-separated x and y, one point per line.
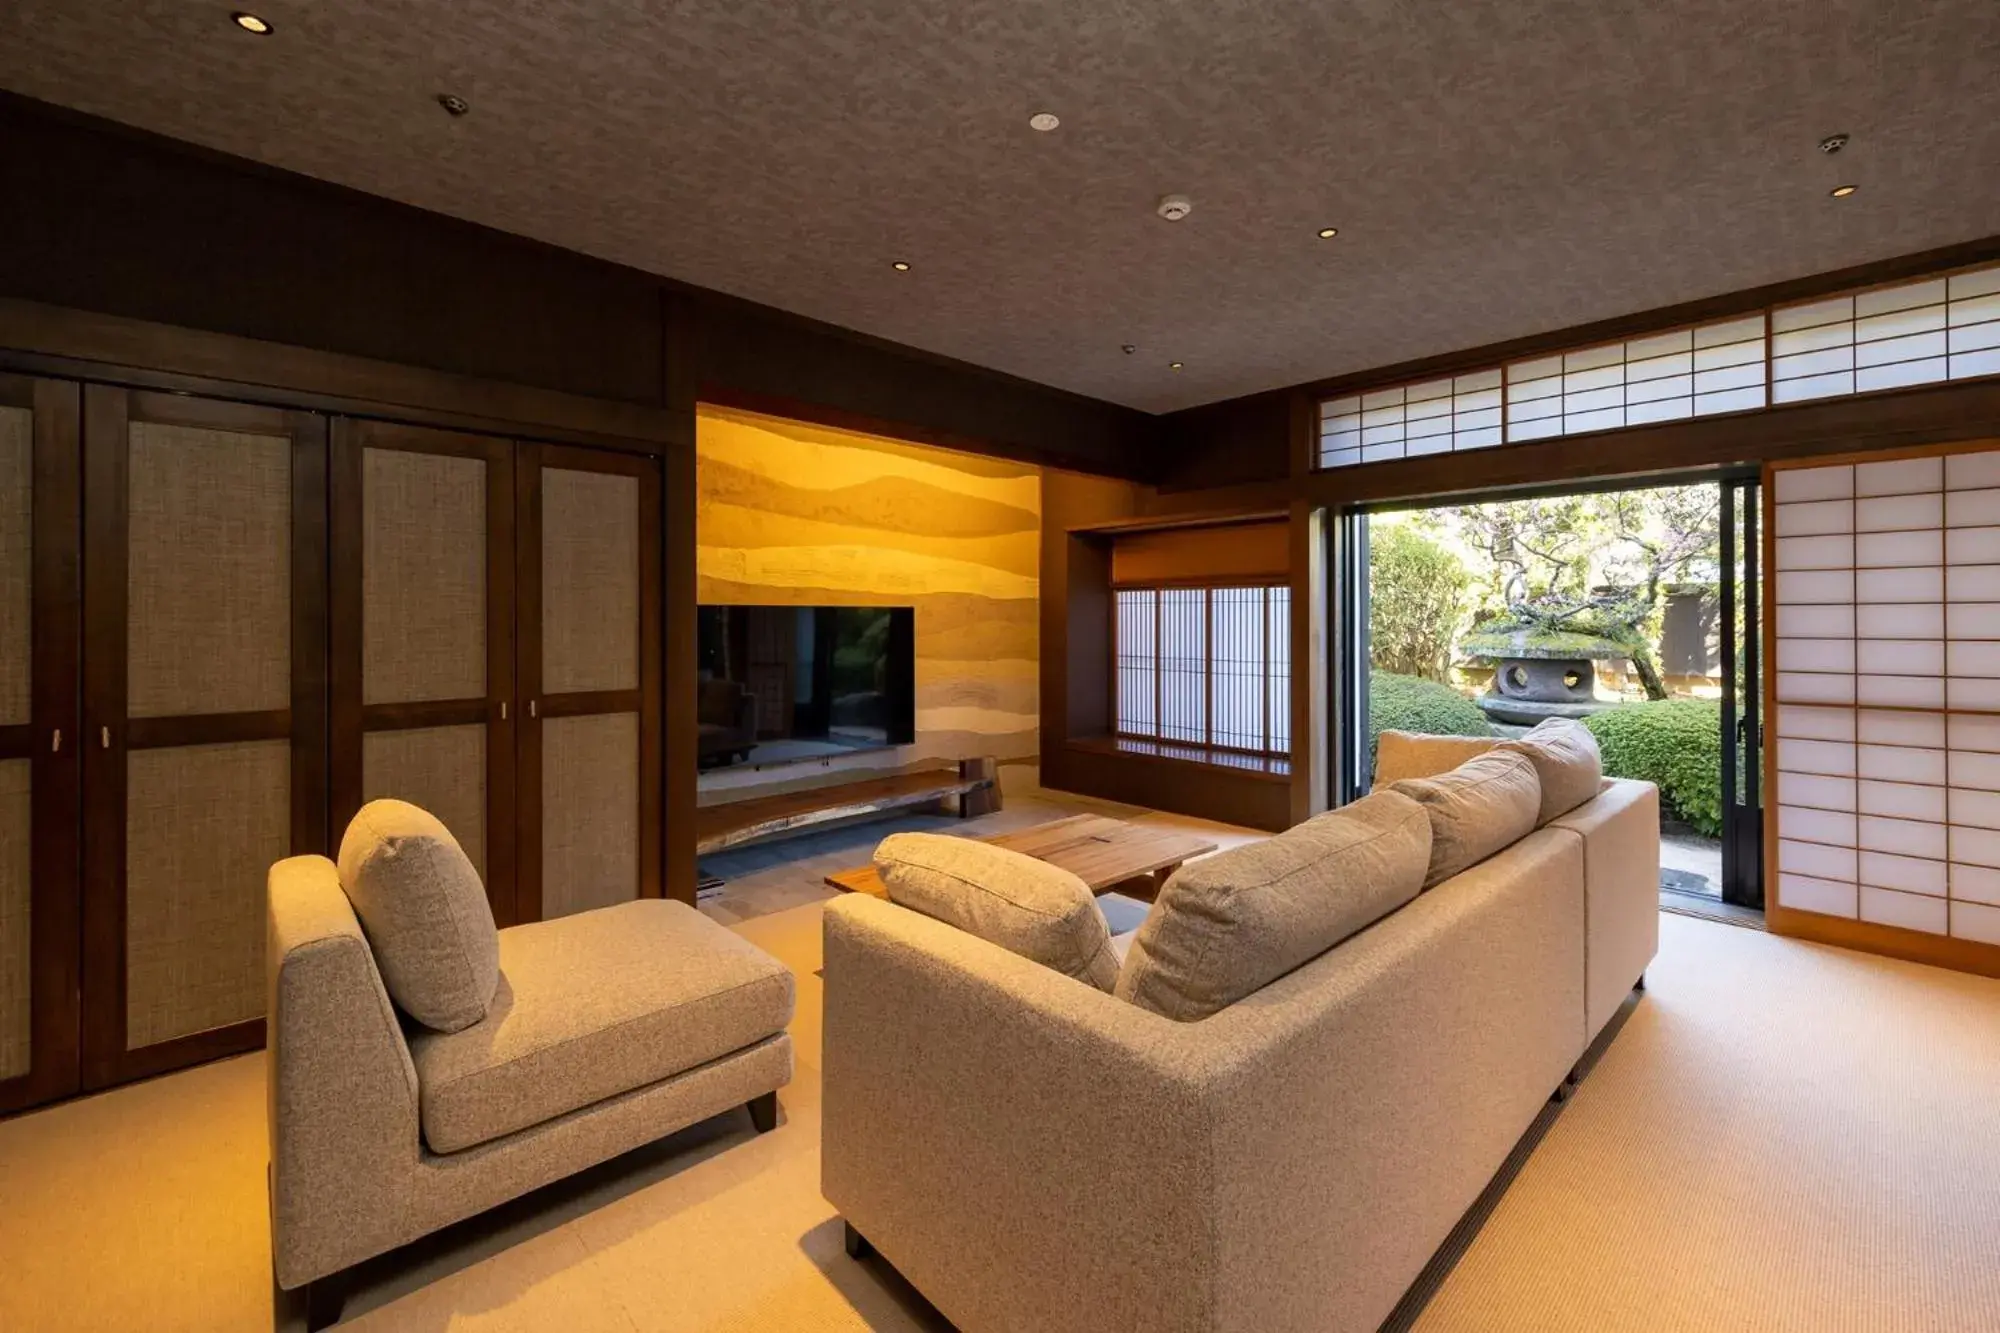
424	911
1567	764
593	1005
1025	906
1409	754
1229	924
1488	802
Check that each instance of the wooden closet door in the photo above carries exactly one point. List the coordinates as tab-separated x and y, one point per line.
204	676
423	635
40	510
589	579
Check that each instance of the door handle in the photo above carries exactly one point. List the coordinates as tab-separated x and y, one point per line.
104	738
55	741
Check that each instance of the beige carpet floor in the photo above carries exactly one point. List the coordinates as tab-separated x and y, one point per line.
1782	1137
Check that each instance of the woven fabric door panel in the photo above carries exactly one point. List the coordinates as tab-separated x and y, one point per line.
204	663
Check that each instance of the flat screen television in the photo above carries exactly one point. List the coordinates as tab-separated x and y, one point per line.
780	684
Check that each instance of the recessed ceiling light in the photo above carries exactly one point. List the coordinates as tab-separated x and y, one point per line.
251	23
1842	191
900	266
454	104
1833	143
1328	233
1044	121
1127	348
1173	365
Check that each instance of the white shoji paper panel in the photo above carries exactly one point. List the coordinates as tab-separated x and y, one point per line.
1886	598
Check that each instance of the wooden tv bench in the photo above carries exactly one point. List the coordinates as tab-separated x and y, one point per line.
975	782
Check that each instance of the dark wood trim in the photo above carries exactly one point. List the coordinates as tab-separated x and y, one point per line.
1935	414
17	741
345	713
105	462
527	577
1661	319
586	703
117	348
56	599
1110	745
270	724
310	608
195	1048
418	713
679	755
652	633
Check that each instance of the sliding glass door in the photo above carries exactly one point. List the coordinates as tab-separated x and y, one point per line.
1742	695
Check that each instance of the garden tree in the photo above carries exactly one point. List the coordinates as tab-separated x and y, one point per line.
1417	601
1592	565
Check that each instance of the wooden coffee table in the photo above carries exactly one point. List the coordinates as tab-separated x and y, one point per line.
1106	854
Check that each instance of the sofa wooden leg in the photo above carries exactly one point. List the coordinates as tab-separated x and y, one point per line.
856	1243
1640	984
764	1112
1574	1076
324	1299
1561	1094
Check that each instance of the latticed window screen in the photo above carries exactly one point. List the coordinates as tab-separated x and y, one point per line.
1205	666
1943	328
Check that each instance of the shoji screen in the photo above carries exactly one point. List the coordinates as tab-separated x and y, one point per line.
1887	683
204	698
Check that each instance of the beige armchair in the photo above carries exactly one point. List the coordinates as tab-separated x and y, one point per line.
605	1030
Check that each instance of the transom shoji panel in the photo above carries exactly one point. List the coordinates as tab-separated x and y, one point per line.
1886	597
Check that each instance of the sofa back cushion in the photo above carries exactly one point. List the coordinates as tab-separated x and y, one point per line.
1567	764
1025	906
1410	754
425	914
1230	924
1488	802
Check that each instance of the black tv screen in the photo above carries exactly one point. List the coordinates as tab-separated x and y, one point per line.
783	684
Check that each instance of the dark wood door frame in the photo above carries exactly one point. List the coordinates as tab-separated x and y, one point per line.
48	740
351	717
537	707
110	735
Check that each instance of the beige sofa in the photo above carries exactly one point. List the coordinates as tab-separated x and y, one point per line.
1032	1152
605	1030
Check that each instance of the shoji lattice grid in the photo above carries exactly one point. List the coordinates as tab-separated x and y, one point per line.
1915	333
1887	677
1205	667
1942	328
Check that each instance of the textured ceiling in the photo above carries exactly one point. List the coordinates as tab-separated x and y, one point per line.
1496	168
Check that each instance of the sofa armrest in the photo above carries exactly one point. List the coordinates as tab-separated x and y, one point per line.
1620	828
342	1091
1030	1150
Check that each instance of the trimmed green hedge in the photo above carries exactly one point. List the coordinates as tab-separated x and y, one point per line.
1675	743
1407	703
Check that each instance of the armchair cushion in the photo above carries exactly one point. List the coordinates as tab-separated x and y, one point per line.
591	1006
425	913
1025	906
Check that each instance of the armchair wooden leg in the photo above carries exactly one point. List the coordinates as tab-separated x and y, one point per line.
856	1243
764	1112
324	1300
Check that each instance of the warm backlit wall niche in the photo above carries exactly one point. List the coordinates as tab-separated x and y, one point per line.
1887	681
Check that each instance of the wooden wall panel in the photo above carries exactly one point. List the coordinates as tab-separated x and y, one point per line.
1182	555
792	514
